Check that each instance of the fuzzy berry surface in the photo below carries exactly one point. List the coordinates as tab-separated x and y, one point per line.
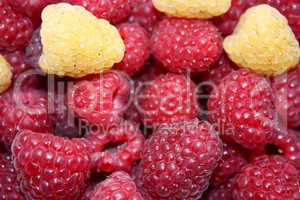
137	48
268	177
16	28
183	45
51	167
168	98
220	192
178	160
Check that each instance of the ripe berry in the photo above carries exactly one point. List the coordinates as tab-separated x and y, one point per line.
9	186
119	185
183	45
115	11
34	50
100	99
268	177
178	160
51	167
168	98
221	192
137	48
16	29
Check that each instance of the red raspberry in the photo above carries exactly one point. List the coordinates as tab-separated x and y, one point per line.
227	22
178	160
100	99
34	50
51	167
23	110
137	48
145	14
221	192
9	187
267	178
182	44
122	157
168	98
115	11
287	93
119	185
16	29
230	164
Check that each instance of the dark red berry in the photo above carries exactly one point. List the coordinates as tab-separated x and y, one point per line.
221	192
34	50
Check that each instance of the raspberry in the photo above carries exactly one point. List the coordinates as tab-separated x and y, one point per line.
230	164
186	45
227	22
268	177
23	110
100	99
145	14
287	93
16	29
76	43
178	160
263	42
137	49
168	98
9	187
124	155
34	50
115	11
193	8
5	74
51	167
221	192
119	185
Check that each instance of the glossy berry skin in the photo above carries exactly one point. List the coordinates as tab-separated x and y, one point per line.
23	110
9	186
268	177
178	160
51	167
16	29
118	185
168	98
100	99
34	50
131	144
115	11
137	48
242	107
232	161
145	14
287	94
221	192
183	45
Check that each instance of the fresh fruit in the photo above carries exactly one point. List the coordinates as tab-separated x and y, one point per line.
183	45
137	49
118	185
76	43
34	50
9	186
221	192
115	11
268	177
51	167
263	42
5	74
100	99
193	8
168	98
178	160
130	145
16	29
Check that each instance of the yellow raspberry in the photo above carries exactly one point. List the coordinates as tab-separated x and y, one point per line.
5	74
200	9
76	43
263	42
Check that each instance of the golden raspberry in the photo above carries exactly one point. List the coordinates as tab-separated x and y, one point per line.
263	42
5	74
76	43
193	8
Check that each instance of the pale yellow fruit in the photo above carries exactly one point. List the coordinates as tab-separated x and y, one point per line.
5	74
263	42
76	43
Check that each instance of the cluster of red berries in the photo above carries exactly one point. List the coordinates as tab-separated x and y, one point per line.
176	119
